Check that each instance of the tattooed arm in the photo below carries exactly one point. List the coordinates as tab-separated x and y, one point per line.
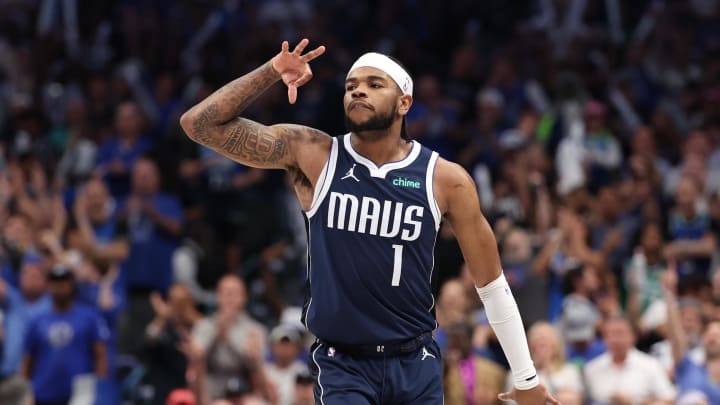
215	121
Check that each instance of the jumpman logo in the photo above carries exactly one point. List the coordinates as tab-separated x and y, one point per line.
350	173
427	354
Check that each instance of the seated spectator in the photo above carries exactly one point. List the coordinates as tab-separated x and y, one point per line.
19	308
469	379
691	374
623	374
65	348
230	337
562	379
282	372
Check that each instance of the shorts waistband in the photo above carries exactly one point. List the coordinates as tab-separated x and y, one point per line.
381	349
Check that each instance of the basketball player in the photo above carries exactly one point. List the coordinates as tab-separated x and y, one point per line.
374	201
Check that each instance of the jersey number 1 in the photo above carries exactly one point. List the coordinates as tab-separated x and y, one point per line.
397	265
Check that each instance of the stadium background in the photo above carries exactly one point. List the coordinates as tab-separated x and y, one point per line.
592	129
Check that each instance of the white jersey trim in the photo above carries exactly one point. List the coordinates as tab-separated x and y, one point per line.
322	390
383	170
432	202
324	181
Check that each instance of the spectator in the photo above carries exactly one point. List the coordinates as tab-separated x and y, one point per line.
117	155
548	353
691	374
154	224
623	374
165	363
65	348
642	279
692	242
469	379
580	317
19	308
304	389
230	338
282	372
101	234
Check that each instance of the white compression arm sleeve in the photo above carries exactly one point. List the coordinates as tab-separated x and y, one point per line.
504	317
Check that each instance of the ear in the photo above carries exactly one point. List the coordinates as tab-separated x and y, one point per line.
404	103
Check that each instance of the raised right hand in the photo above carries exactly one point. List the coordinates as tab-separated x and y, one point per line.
293	67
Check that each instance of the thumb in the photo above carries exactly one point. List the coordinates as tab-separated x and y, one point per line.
506	396
292	93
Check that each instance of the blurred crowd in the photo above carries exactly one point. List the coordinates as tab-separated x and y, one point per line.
140	268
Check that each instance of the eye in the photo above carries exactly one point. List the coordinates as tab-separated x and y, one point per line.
350	87
376	86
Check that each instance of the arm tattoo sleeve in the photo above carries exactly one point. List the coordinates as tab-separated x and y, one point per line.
249	141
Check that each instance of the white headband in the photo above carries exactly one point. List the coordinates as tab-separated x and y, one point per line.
387	65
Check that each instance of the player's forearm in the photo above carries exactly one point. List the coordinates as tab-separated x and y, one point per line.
226	104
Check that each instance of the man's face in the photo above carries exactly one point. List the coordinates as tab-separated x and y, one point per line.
372	100
61	290
619	337
32	281
145	177
231	295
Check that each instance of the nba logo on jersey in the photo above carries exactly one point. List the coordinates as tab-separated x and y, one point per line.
331	351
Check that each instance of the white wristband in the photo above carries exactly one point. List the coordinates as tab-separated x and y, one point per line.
504	317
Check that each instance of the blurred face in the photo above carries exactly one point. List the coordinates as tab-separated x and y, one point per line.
686	193
453	300
145	177
128	121
590	280
651	239
643	142
180	300
32	281
372	101
543	342
711	339
691	320
231	295
619	337
516	248
61	291
285	352
97	199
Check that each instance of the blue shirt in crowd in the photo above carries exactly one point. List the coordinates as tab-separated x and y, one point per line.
61	345
691	376
150	262
113	150
19	313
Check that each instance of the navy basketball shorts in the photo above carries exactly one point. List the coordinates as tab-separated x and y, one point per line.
345	379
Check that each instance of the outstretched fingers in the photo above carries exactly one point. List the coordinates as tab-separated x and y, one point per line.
313	54
285	46
300	47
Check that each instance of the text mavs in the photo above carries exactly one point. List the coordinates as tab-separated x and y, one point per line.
386	219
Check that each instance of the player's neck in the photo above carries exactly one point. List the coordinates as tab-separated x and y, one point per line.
381	147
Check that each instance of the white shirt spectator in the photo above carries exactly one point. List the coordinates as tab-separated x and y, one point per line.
641	378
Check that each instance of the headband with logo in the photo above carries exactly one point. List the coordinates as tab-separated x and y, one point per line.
387	65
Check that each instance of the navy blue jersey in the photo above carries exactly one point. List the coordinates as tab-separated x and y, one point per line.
371	237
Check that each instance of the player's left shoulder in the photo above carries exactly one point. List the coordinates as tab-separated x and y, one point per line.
451	181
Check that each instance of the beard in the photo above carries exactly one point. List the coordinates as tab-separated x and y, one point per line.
379	122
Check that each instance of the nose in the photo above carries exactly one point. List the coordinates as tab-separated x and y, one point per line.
358	92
